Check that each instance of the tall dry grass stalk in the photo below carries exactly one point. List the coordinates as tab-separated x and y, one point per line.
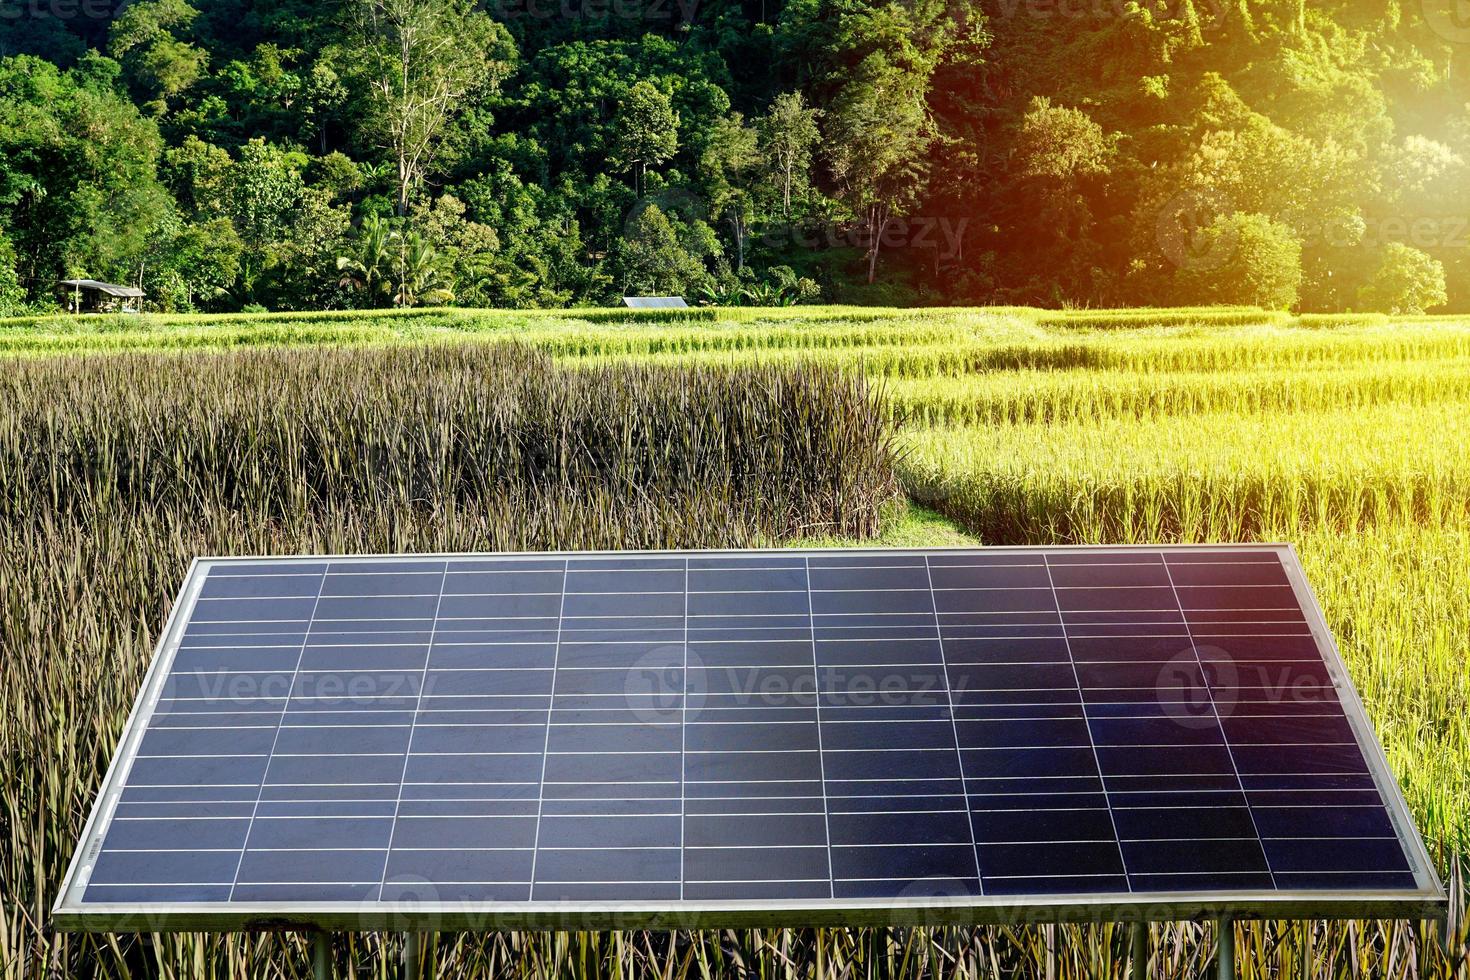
115	472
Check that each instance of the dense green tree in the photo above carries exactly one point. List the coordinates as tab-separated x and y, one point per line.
1061	145
12	293
1060	166
300	272
198	174
465	249
1406	280
193	266
387	263
419	273
262	193
567	95
908	151
788	134
878	125
655	260
540	256
29	28
1244	258
365	267
416	61
79	192
157	62
645	131
732	162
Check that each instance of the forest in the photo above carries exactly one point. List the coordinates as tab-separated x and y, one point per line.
228	155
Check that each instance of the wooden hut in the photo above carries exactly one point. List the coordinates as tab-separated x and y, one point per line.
91	296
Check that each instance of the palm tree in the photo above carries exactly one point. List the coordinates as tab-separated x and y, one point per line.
420	274
366	271
395	266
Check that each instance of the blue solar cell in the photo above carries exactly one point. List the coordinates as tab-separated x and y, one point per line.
793	727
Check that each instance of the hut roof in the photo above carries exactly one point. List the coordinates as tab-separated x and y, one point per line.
119	292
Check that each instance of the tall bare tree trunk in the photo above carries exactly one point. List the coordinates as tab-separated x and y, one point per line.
404	180
877	224
737	225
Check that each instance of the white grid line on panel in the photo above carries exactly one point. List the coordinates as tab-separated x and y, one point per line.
285	706
683	718
1214	710
955	729
1096	760
546	750
408	747
821	762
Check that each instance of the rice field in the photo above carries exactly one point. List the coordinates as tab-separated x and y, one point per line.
128	445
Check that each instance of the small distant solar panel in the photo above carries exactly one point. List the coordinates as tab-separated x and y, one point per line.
655	302
729	737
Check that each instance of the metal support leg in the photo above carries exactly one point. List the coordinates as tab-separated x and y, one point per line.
1306	971
1138	951
411	955
1050	932
1226	959
321	956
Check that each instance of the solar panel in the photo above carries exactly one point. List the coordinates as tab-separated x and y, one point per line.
655	302
735	737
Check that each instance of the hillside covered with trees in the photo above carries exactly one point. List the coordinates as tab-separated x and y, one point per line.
315	154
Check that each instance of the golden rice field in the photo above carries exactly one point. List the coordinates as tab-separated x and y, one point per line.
1349	437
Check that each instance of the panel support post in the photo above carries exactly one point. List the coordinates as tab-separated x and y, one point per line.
411	955
1225	962
321	956
1138	951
